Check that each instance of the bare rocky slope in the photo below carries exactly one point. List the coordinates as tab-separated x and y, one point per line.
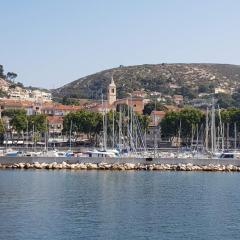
186	79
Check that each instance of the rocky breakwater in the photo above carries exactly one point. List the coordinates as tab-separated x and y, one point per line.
123	166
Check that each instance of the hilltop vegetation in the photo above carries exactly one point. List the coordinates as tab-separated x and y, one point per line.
188	80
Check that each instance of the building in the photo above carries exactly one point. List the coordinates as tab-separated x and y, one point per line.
139	93
30	107
35	107
200	103
221	90
55	124
153	136
58	109
38	95
112	95
171	108
18	93
137	103
178	99
156	117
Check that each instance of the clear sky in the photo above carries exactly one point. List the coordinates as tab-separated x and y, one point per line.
49	43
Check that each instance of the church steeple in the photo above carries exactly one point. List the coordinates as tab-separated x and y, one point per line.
112	96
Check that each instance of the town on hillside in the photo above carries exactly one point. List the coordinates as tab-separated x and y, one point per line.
29	116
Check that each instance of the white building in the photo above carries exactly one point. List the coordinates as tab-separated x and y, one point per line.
38	95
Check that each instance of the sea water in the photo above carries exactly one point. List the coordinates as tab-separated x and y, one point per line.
65	204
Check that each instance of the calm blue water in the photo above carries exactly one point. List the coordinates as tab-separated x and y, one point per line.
37	204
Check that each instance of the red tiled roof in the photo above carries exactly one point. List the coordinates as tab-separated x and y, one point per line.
16	103
180	97
171	107
55	119
158	113
59	106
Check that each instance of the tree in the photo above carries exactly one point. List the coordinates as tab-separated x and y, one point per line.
69	101
19	123
10	113
2	93
170	124
11	76
190	118
2	131
188	92
187	118
203	88
123	107
1	72
224	100
83	121
144	121
18	119
229	118
149	107
38	121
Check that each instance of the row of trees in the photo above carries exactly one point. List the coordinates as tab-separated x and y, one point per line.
17	120
184	122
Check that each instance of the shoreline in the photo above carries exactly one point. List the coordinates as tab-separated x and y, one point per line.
122	166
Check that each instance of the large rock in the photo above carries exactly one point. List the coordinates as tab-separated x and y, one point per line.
27	166
37	165
115	166
158	167
129	166
92	166
21	165
54	165
82	166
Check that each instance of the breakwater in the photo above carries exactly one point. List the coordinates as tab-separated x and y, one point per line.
86	163
121	166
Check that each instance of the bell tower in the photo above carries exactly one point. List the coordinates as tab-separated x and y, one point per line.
112	95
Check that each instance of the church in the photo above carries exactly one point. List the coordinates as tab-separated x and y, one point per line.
136	102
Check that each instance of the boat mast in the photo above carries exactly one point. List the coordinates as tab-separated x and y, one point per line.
179	134
155	107
235	136
113	131
103	122
120	127
213	128
105	141
197	139
27	135
207	130
70	136
45	136
227	136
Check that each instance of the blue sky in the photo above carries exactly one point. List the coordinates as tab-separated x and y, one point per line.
52	42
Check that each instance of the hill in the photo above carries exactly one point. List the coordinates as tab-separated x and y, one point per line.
186	79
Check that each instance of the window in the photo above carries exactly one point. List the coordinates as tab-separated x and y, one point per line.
112	90
228	156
